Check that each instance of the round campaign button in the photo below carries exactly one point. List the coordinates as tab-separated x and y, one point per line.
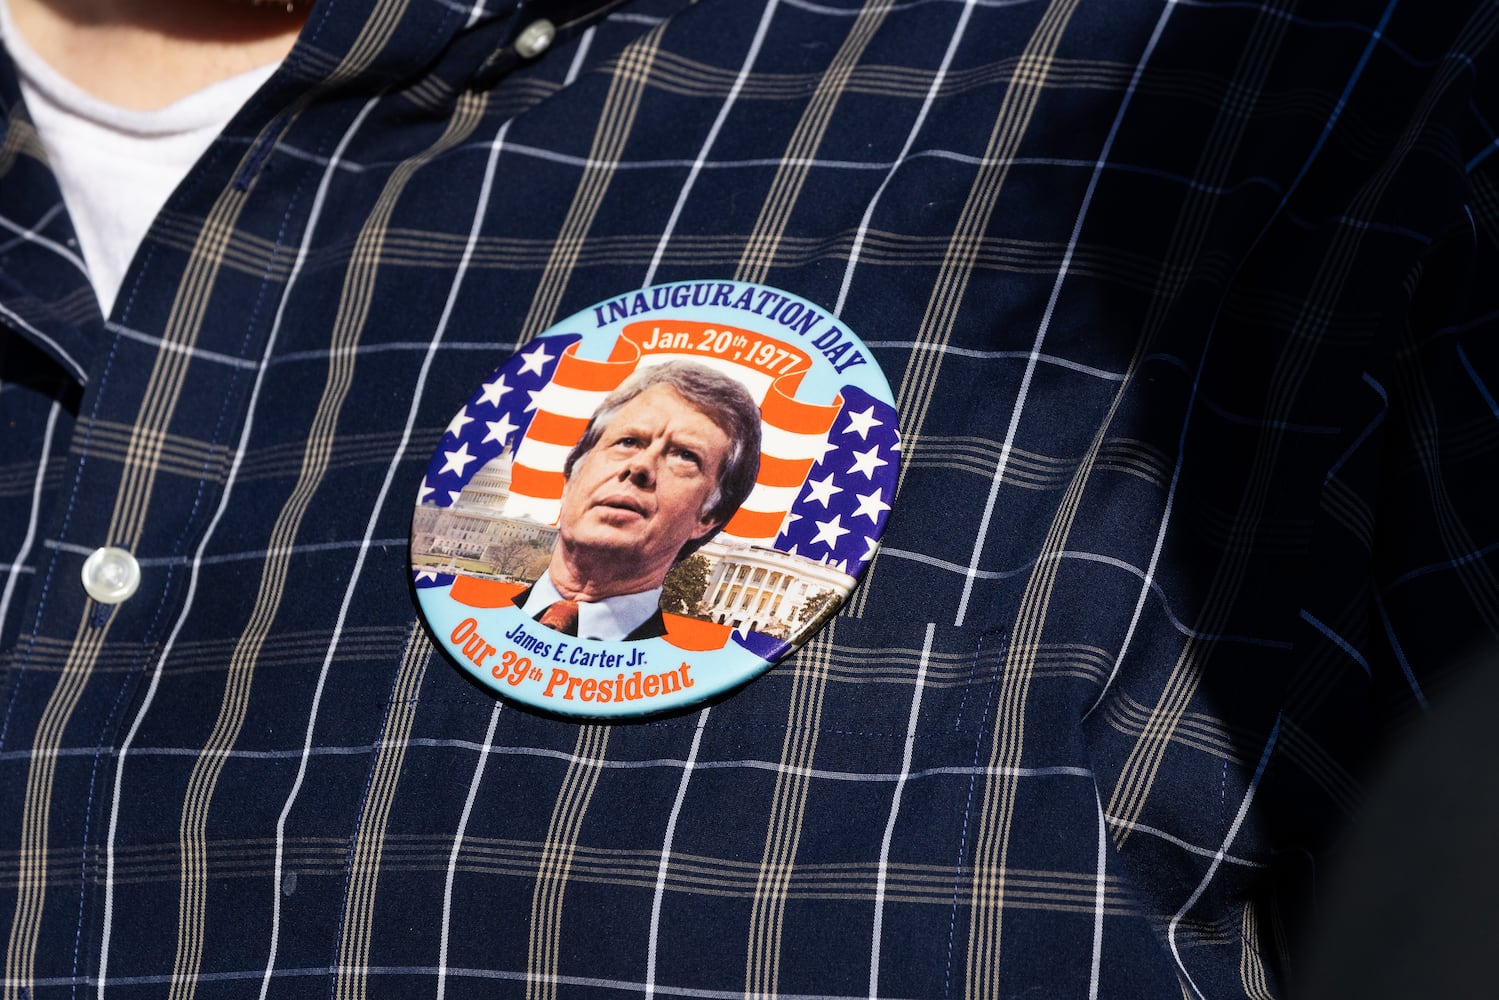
655	500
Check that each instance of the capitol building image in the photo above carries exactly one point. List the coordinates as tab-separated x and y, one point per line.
474	538
742	586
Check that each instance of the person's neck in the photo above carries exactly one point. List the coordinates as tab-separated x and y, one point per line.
146	54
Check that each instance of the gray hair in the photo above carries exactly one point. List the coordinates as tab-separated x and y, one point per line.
719	398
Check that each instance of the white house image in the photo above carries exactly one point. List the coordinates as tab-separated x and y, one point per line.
764	589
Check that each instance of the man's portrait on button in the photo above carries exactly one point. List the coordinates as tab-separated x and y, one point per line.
665	461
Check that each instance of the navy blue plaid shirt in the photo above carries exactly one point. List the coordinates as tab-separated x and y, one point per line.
1189	311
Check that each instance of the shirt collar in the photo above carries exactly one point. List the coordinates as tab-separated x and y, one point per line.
348	46
610	619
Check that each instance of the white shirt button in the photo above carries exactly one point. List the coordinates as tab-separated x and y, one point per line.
535	38
111	575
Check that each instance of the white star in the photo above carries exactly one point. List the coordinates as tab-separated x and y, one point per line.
866	462
426	574
871	547
453	496
791	551
791	518
742	630
493	391
461	419
822	491
421	494
871	506
458	460
533	393
828	532
533	360
862	424
499	430
822	449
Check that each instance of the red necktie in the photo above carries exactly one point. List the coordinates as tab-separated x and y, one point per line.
562	616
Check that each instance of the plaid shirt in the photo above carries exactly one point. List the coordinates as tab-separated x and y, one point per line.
1188	309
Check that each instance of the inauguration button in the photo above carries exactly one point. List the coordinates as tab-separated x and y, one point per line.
656	500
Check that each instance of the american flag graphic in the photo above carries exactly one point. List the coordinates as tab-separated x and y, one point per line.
827	470
841	509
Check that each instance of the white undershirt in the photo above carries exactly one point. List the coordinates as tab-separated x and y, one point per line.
117	166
